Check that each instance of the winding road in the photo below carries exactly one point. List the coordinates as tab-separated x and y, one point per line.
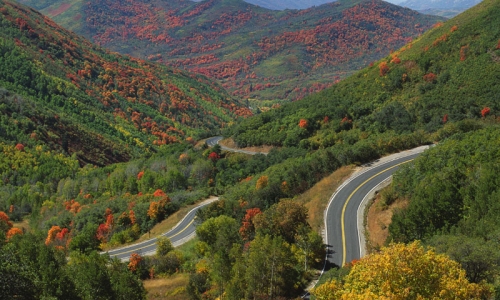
181	233
344	215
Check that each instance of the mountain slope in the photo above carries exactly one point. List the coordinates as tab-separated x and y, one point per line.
253	52
103	107
448	75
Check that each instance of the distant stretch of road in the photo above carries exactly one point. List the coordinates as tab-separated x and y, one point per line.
181	233
341	218
216	139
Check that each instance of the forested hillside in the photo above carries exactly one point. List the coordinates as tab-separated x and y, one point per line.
253	52
60	90
448	75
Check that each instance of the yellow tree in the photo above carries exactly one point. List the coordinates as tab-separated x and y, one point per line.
404	272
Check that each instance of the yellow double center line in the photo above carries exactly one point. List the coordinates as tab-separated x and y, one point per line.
347	202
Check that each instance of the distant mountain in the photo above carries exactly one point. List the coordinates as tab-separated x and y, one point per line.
255	53
445	8
294	4
60	90
439	4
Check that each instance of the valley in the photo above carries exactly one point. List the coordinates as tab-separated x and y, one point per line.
99	150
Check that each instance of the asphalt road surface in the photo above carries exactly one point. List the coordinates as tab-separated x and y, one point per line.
181	233
341	218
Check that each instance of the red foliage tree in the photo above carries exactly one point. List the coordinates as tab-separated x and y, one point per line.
159	193
20	147
498	46
214	156
485	111
396	60
62	234
247	227
5	223
445	119
431	77
463	52
139	175
131	215
383	68
51	234
13	231
103	232
303	123
134	261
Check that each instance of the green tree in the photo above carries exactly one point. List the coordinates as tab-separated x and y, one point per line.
270	269
163	246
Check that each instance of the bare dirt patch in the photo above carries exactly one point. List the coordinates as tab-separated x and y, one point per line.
172	287
230	143
378	220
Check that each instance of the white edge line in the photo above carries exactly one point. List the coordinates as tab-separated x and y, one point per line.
360	214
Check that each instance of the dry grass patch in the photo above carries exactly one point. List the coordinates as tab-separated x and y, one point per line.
230	143
23	225
172	287
378	219
316	198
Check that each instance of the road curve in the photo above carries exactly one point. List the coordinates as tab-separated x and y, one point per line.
341	216
216	139
181	233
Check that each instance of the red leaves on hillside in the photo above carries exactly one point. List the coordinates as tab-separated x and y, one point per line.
214	156
5	223
463	52
51	234
396	60
13	231
454	28
498	46
303	123
134	261
445	119
20	147
440	39
437	25
247	227
485	111
383	68
430	77
139	175
159	193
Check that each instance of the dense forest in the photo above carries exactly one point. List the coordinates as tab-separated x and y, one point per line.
253	52
256	242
